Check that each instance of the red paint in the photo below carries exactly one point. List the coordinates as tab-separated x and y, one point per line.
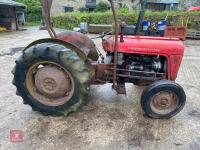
197	8
16	136
176	32
171	48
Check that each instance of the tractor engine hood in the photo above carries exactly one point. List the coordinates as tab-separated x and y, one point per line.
146	45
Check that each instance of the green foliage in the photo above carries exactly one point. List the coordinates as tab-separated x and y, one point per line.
102	7
83	9
35	23
34	10
124	10
71	20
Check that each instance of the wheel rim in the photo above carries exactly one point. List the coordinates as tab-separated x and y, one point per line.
49	83
164	102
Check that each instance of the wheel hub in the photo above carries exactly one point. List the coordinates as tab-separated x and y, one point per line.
164	102
49	84
52	82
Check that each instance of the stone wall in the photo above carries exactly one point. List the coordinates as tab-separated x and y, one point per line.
58	5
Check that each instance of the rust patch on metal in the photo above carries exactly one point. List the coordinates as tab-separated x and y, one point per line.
52	81
164	102
102	70
81	41
120	89
49	83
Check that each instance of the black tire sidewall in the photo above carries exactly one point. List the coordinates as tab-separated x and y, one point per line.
22	68
149	93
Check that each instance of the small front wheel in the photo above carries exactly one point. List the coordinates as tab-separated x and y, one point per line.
163	99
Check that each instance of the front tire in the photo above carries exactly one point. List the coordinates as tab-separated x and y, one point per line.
51	78
163	99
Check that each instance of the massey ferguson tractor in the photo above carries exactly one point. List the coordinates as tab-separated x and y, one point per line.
53	75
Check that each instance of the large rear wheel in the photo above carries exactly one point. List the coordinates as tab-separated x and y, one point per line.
51	79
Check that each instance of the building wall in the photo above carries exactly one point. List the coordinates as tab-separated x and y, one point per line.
58	5
7	17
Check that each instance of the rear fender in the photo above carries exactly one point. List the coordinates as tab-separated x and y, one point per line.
81	41
80	53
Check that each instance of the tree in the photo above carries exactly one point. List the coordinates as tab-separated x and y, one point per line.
34	9
102	7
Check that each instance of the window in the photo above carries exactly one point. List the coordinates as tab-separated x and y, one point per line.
90	4
91	1
68	9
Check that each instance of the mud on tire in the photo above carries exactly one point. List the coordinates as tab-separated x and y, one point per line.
67	60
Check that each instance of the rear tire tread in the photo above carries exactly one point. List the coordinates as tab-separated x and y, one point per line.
61	55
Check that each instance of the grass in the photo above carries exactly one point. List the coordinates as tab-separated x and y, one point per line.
35	23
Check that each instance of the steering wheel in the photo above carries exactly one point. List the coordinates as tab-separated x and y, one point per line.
102	35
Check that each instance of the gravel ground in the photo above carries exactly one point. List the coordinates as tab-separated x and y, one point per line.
106	121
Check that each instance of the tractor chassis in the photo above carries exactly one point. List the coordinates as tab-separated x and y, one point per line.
104	74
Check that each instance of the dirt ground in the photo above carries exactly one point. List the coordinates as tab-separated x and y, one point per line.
106	121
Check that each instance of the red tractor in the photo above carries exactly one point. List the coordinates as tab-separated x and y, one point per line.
53	74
